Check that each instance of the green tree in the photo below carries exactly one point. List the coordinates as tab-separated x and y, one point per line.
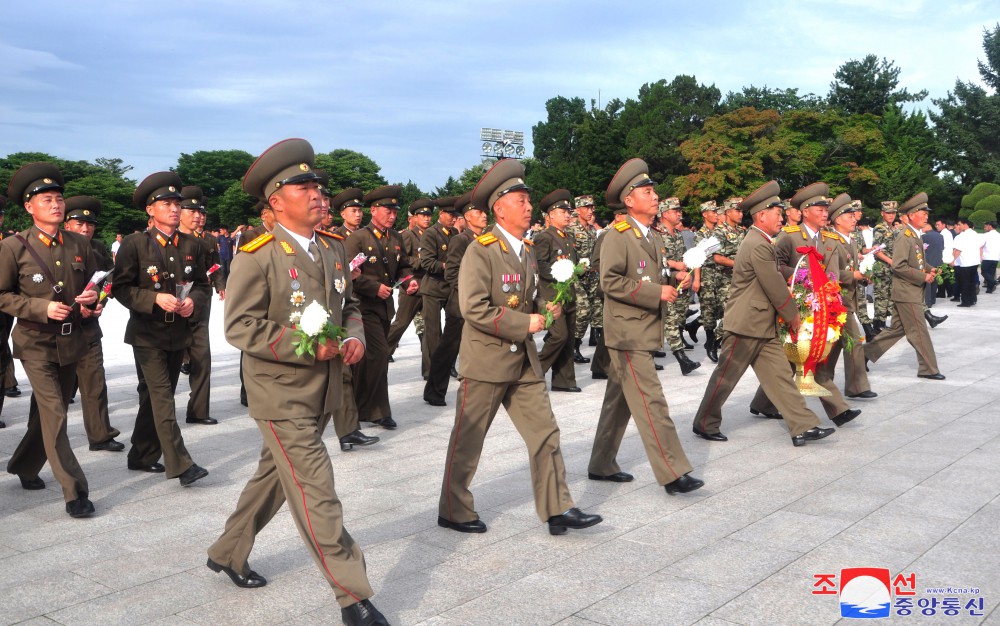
978	193
347	168
233	207
761	98
213	170
869	86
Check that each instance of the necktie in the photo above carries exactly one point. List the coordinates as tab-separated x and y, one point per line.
314	253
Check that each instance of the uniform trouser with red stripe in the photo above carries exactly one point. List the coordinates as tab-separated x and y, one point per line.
771	367
527	403
295	466
634	390
907	319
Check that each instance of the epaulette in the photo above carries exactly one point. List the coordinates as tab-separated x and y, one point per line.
792	229
622	226
528	242
830	235
909	233
327	233
486	239
257	243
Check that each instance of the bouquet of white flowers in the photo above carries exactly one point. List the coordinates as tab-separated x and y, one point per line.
314	327
696	256
564	275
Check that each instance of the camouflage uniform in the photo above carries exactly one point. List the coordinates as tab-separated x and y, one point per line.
859	245
730	238
589	305
708	294
884	234
675	312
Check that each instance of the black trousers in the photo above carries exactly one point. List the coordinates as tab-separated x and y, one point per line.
989	269
965	279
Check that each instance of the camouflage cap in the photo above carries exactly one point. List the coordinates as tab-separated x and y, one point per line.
733	203
764	197
34	178
811	195
287	162
840	205
914	204
158	186
709	206
856	205
582	201
889	206
629	177
558	199
668	204
83	208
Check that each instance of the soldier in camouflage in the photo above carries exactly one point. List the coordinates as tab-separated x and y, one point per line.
885	235
858	240
730	234
706	282
667	224
589	305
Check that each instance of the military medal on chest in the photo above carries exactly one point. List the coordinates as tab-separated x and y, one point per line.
154	273
298	298
641	268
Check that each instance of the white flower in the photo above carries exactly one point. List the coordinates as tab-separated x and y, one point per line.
805	331
562	270
709	245
314	317
585	262
295	317
694	258
867	263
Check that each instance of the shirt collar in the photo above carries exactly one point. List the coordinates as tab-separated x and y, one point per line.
302	241
515	243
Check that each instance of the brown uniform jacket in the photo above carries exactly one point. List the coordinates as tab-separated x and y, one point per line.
258	322
456	251
551	245
840	257
26	291
630	278
411	248
433	254
211	244
785	244
385	265
758	293
140	268
908	273
495	337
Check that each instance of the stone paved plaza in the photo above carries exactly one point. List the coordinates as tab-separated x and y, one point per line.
912	485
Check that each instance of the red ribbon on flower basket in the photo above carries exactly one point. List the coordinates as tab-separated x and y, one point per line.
821	288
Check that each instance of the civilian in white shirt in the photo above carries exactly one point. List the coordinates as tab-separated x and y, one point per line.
947	290
991	255
967	248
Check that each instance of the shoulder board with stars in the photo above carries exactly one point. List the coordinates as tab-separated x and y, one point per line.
327	233
254	245
909	233
622	226
486	239
835	236
792	229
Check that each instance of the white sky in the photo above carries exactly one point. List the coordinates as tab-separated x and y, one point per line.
410	83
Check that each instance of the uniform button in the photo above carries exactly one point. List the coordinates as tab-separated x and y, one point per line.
171	276
171	258
58	263
60	283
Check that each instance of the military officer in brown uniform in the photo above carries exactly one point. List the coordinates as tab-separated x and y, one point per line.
909	275
43	274
151	270
499	362
434	289
199	354
813	202
757	296
348	204
81	218
292	396
386	265
841	257
266	224
443	359
634	293
551	245
410	306
601	363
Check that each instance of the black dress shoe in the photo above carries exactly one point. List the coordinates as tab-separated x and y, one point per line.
617	477
938	376
31	484
867	395
454	373
362	614
658	367
386	422
475	526
573	518
659	354
208	421
191	474
250	581
357	438
108	446
812	434
152	468
599	376
684	484
12	392
773	416
569	389
710	436
243	401
435	401
391	360
81	507
3	424
845	417
186	369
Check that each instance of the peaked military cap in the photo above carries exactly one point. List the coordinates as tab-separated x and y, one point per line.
447	205
630	176
34	178
158	186
765	197
386	195
324	184
192	198
83	208
346	198
558	199
261	206
709	206
914	204
840	205
464	202
889	206
288	162
811	195
423	206
505	176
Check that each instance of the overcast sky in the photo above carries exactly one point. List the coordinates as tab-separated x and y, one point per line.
411	83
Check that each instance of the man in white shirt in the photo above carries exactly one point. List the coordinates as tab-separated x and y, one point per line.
947	290
991	255
967	247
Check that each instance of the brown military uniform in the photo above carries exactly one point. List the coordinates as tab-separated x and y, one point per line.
200	352
841	258
434	289
409	306
550	246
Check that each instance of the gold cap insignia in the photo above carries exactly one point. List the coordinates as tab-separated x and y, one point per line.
171	189
47	181
304	167
86	212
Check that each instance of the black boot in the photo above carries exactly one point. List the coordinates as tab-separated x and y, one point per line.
687	346
692	329
878	326
687	365
600	334
712	348
869	331
593	337
934	320
577	357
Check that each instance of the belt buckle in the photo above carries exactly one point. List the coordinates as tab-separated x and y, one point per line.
168	316
67	328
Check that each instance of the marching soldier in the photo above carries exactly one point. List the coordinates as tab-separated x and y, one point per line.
673	259
410	306
43	275
551	245
434	289
884	234
499	363
299	265
348	204
266	225
633	322
706	282
385	269
589	304
730	233
602	360
153	270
